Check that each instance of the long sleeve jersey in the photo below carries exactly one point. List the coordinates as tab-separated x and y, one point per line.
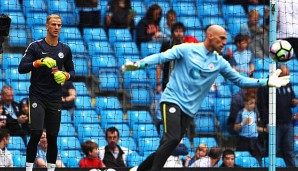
42	80
194	73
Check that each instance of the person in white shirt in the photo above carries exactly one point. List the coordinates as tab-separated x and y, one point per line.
211	160
5	155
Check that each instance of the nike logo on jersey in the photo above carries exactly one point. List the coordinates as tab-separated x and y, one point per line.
43	53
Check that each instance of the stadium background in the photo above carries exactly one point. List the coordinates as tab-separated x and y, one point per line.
105	96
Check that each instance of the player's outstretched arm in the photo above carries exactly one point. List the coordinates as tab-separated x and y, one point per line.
276	81
132	66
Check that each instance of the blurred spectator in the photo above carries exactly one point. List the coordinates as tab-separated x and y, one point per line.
177	36
41	158
3	117
155	109
174	159
259	45
211	160
246	3
201	151
119	14
228	159
251	27
68	97
113	155
285	100
287	23
16	122
246	124
243	60
90	149
5	155
148	28
171	18
89	13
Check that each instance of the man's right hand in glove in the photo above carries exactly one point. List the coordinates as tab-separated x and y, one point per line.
47	61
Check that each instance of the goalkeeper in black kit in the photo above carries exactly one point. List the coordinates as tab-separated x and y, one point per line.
45	59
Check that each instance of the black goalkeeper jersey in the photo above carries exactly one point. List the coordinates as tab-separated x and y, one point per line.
42	80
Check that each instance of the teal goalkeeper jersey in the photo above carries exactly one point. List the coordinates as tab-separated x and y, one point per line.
194	73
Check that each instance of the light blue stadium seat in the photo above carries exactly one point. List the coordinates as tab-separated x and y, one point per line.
71	158
77	47
20	87
151	72
18	37
209	141
111	117
296	145
213	20
94	34
87	116
191	22
32	6
109	80
127	142
70	33
262	64
222	104
222	118
9	5
11	60
102	62
125	48
207	105
17	20
134	77
119	35
141	95
89	130
197	33
58	6
138	117
122	59
247	162
139	7
208	9
123	129
68	143
19	160
99	47
81	88
242	154
101	141
36	19
165	5
234	24
144	130
16	152
149	48
38	32
65	117
107	103
205	124
12	74
232	11
67	130
262	74
185	8
187	143
16	143
69	18
278	161
81	65
134	159
84	102
148	144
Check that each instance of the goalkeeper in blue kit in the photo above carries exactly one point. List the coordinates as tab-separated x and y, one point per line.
197	65
45	59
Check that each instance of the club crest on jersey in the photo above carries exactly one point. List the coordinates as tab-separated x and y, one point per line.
60	55
211	66
34	105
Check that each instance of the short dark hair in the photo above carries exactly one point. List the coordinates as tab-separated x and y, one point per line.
88	146
112	130
4	133
215	152
177	25
241	37
227	152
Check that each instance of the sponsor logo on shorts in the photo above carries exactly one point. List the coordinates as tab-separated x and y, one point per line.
172	110
34	105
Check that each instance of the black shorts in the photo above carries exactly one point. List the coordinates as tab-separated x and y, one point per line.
44	114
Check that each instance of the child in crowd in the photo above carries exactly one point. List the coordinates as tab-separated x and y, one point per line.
90	149
201	151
